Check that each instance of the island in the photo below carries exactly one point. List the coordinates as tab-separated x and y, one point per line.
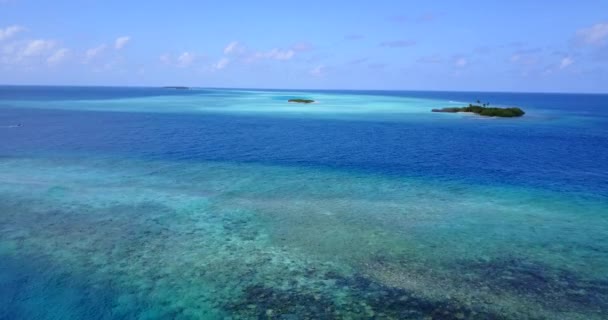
301	101
176	87
484	110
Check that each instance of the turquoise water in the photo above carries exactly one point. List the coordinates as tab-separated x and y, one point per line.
217	204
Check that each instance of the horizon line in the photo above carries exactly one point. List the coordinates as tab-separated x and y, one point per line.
295	89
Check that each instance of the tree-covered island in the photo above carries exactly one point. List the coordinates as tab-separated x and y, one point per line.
300	100
484	110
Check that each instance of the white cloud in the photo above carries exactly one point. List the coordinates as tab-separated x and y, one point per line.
165	58
10	31
31	53
461	62
37	47
94	52
278	54
185	59
318	71
595	35
121	42
221	64
274	54
524	59
58	56
234	47
565	62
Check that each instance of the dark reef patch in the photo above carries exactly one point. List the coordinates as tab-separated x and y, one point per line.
261	302
403	304
354	297
241	227
557	289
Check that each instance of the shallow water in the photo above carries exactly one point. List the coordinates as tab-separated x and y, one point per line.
237	210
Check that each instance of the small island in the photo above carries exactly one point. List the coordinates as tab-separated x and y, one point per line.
176	87
484	110
301	101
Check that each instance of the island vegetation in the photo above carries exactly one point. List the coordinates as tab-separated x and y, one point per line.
300	100
176	87
485	110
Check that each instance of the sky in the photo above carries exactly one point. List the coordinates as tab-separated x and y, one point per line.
491	45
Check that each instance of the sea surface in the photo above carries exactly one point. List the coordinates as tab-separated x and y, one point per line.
152	203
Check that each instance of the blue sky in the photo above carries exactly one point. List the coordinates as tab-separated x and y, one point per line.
548	46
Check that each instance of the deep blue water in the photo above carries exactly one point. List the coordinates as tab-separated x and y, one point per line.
562	154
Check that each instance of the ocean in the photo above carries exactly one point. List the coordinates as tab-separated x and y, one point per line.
153	203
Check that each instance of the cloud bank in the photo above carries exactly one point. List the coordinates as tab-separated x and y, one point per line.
121	42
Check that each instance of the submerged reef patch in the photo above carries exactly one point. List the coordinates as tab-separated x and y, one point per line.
219	243
349	297
554	288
